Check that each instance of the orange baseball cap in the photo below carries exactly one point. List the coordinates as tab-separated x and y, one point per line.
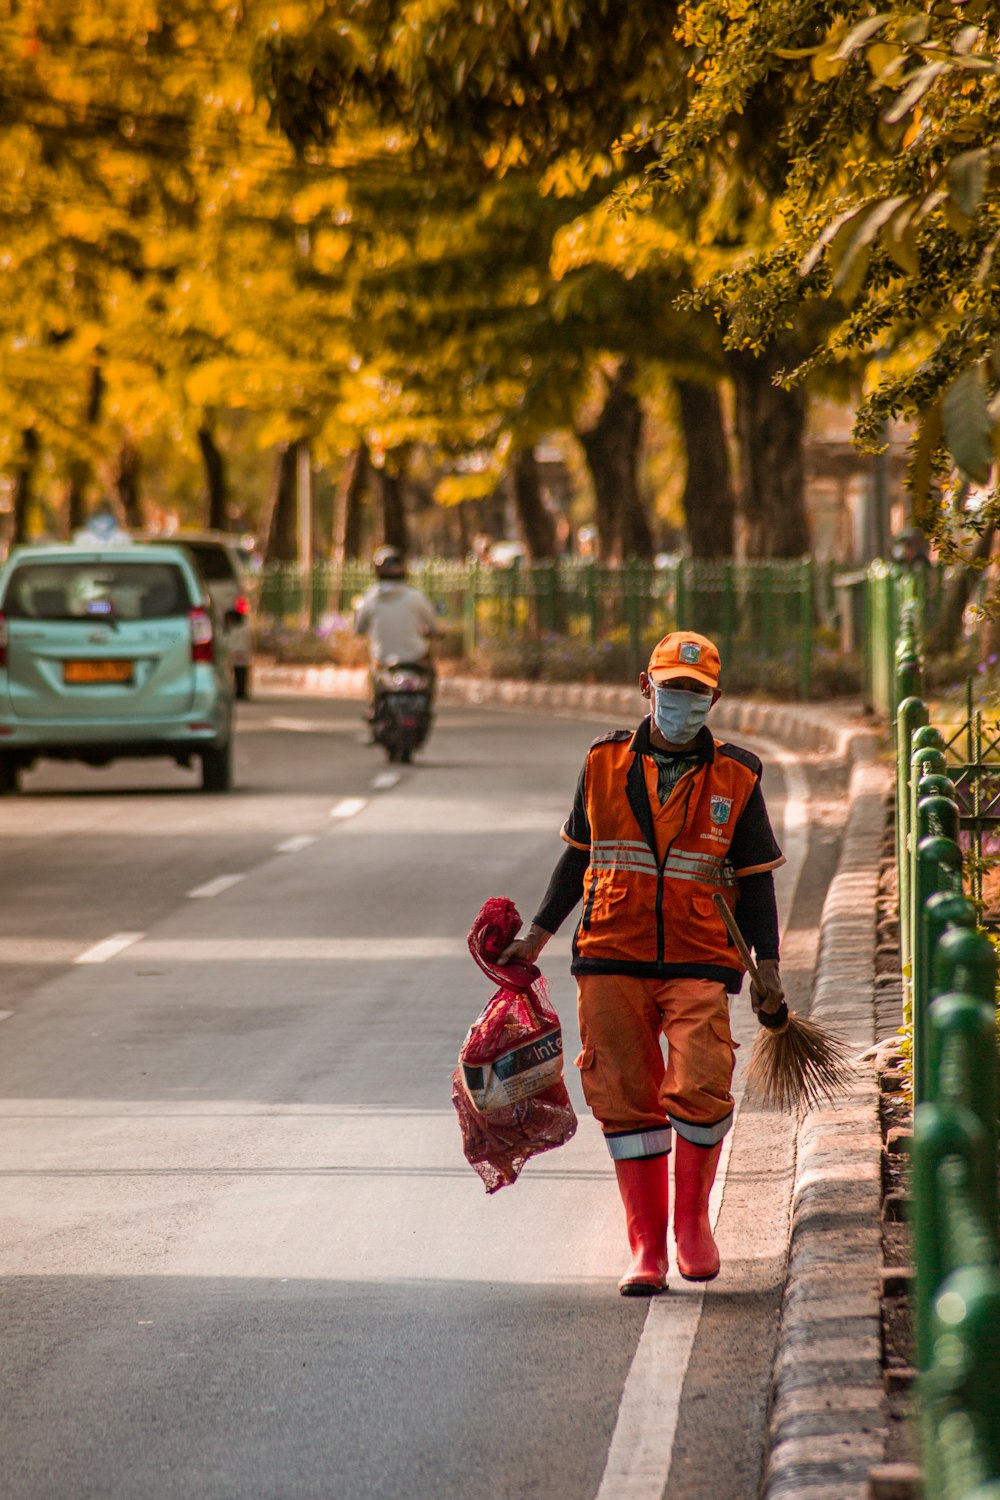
685	654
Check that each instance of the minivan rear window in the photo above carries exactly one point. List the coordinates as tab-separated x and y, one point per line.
214	562
96	591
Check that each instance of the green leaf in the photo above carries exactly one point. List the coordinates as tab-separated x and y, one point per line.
900	238
860	34
849	255
814	253
884	58
914	29
967	175
966	40
967	425
915	90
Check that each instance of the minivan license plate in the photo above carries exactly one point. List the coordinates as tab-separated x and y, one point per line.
97	671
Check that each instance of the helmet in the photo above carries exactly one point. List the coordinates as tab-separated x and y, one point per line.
389	563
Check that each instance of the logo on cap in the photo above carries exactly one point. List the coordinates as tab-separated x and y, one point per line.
689	653
720	808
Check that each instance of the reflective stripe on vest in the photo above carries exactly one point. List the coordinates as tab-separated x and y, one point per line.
637	910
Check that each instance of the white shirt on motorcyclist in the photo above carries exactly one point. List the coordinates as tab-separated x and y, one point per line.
398	621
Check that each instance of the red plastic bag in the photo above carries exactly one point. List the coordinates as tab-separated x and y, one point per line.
508	1089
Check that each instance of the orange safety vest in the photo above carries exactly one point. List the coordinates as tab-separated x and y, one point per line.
647	895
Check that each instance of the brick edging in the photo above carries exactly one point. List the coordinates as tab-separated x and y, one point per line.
828	1411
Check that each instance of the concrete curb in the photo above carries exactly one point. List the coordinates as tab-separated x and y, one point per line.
806	727
828	1410
828	1415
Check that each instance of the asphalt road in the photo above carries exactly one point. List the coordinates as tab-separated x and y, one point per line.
242	1255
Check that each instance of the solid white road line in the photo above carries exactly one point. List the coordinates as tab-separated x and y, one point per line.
101	952
215	887
292	846
347	807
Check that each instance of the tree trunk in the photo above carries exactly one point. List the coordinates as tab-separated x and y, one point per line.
948	631
80	470
395	528
611	448
537	528
24	477
281	536
347	505
126	484
770	423
217	510
709	499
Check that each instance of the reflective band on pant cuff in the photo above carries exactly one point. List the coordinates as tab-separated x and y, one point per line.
639	1143
703	1135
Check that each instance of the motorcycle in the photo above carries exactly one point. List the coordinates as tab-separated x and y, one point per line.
401	717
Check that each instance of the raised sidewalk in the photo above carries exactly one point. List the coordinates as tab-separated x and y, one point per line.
828	1411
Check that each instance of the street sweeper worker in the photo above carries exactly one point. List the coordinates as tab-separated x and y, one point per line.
663	818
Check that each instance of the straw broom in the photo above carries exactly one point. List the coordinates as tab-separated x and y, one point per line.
793	1061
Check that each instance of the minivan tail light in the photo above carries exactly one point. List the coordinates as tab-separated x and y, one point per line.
4	633
202	644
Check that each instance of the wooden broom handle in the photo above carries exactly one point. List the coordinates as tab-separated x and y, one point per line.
722	907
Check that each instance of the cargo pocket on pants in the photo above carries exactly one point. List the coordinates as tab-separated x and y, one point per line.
724	1059
590	1079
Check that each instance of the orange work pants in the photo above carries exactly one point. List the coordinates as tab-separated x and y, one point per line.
625	1082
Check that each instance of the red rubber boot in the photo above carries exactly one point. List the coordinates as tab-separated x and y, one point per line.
694	1173
644	1186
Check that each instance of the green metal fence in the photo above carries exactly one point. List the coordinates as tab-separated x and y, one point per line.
761	614
950	967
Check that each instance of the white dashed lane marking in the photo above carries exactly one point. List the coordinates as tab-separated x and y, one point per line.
292	846
384	780
217	886
101	952
347	807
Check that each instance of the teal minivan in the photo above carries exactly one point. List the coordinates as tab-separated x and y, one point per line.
111	652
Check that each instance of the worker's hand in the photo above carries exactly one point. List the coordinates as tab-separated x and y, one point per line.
526	948
769	999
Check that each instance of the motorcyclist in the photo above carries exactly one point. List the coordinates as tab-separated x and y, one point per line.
399	621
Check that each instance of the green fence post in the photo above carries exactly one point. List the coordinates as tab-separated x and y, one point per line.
470	610
767	600
963	1018
938	815
910	716
806	616
939	1131
634	617
966	1343
964	958
728	610
938	867
926	759
593	610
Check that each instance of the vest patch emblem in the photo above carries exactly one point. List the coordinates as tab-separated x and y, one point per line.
690	653
720	808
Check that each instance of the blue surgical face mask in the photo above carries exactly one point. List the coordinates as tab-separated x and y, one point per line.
680	714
